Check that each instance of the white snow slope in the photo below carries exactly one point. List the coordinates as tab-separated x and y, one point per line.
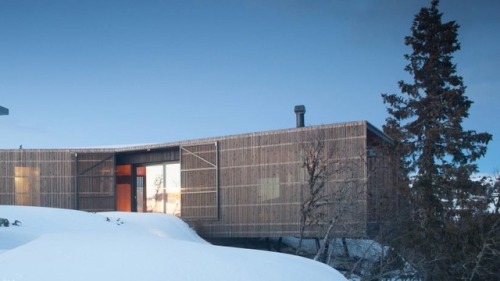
57	244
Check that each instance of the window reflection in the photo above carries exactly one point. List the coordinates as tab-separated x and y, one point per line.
163	189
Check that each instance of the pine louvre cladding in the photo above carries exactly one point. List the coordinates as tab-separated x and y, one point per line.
247	185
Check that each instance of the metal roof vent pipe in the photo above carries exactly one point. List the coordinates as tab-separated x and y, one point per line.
300	110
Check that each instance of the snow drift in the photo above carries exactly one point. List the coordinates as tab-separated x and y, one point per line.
56	244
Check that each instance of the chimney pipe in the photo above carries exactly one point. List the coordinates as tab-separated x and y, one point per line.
299	112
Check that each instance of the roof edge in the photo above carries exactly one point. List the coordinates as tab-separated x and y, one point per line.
370	127
132	147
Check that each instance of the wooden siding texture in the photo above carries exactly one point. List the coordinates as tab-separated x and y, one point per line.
249	185
382	179
51	184
261	182
199	182
95	182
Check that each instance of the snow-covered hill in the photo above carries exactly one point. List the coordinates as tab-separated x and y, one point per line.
55	244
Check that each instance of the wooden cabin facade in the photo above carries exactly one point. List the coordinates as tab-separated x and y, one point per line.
249	185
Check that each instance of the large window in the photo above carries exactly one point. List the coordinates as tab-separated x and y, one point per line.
163	188
27	185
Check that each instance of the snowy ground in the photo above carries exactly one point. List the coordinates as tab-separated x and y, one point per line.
56	244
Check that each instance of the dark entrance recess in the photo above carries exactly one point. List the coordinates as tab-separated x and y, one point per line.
130	175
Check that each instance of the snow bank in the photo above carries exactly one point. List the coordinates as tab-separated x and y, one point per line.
55	244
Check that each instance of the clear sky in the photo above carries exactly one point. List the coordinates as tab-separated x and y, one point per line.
112	72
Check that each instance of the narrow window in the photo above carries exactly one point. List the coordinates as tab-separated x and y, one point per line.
27	185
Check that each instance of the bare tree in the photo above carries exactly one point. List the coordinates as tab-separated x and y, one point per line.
316	161
332	189
336	183
341	203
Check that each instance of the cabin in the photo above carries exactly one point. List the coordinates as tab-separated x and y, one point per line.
241	186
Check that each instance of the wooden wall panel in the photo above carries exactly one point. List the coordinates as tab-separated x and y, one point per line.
248	185
51	184
382	190
199	182
261	180
95	181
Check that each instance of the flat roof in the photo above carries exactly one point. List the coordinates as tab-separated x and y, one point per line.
155	146
4	111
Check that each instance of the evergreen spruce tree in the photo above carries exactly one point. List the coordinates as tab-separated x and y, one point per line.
437	154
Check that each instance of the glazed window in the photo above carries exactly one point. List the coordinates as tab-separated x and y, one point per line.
27	186
269	189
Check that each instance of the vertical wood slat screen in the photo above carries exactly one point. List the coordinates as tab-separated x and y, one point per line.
95	181
199	181
37	178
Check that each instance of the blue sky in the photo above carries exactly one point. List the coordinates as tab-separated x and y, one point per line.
112	72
